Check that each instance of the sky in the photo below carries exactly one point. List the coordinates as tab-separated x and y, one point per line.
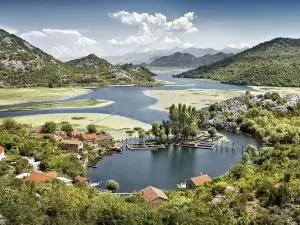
75	28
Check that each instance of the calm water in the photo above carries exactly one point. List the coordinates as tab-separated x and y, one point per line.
163	168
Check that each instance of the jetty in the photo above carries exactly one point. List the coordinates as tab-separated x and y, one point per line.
145	146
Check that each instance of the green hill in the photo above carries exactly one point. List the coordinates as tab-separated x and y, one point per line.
23	65
272	63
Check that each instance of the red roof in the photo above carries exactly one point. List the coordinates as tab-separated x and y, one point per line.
104	137
81	179
77	133
152	193
1	149
36	176
203	179
89	136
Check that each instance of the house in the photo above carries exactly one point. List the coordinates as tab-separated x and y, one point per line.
153	195
61	134
37	176
2	154
76	134
72	145
104	137
79	179
194	182
91	138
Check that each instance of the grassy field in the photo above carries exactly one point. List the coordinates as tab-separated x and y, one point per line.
280	90
114	125
199	98
23	95
72	104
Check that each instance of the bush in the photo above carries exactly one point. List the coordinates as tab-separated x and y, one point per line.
49	127
67	127
215	107
112	185
92	128
212	131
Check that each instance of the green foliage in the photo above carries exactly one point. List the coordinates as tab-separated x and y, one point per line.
273	63
215	107
91	128
67	127
112	185
212	131
49	127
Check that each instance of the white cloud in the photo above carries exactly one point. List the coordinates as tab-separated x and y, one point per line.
62	43
168	40
187	45
152	30
241	45
9	29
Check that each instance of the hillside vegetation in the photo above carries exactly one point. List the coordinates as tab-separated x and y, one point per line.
273	63
23	65
187	60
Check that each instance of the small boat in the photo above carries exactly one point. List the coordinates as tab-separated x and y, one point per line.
95	184
94	166
181	186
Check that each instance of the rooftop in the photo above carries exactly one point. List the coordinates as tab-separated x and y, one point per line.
71	142
104	137
81	179
151	193
89	136
36	176
203	179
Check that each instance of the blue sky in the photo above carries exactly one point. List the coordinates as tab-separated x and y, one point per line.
108	27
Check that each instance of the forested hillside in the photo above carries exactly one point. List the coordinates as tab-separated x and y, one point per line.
273	63
23	65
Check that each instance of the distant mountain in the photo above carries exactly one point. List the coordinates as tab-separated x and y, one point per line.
272	63
198	52
148	57
186	60
23	65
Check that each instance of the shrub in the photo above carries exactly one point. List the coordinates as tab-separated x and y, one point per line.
92	128
49	127
112	185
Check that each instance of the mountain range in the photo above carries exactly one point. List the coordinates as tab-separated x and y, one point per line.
186	60
148	57
23	65
272	63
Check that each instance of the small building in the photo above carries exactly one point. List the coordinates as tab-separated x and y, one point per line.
79	179
72	145
61	134
91	138
153	195
2	153
37	176
104	137
65	180
76	134
194	182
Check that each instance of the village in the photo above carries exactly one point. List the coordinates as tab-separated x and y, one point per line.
79	144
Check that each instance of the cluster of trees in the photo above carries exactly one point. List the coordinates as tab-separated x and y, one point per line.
182	123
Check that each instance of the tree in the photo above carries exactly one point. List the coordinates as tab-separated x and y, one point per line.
91	128
212	131
112	185
155	129
167	126
142	134
67	127
49	127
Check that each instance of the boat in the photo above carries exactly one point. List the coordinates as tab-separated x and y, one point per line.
94	166
95	184
181	186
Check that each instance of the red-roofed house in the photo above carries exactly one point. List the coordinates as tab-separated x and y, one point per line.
79	179
194	182
153	195
37	176
88	138
76	134
73	145
2	154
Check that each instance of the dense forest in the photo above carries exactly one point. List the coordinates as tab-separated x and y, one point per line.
263	188
23	65
273	63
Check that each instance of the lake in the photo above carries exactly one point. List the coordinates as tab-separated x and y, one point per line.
165	168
